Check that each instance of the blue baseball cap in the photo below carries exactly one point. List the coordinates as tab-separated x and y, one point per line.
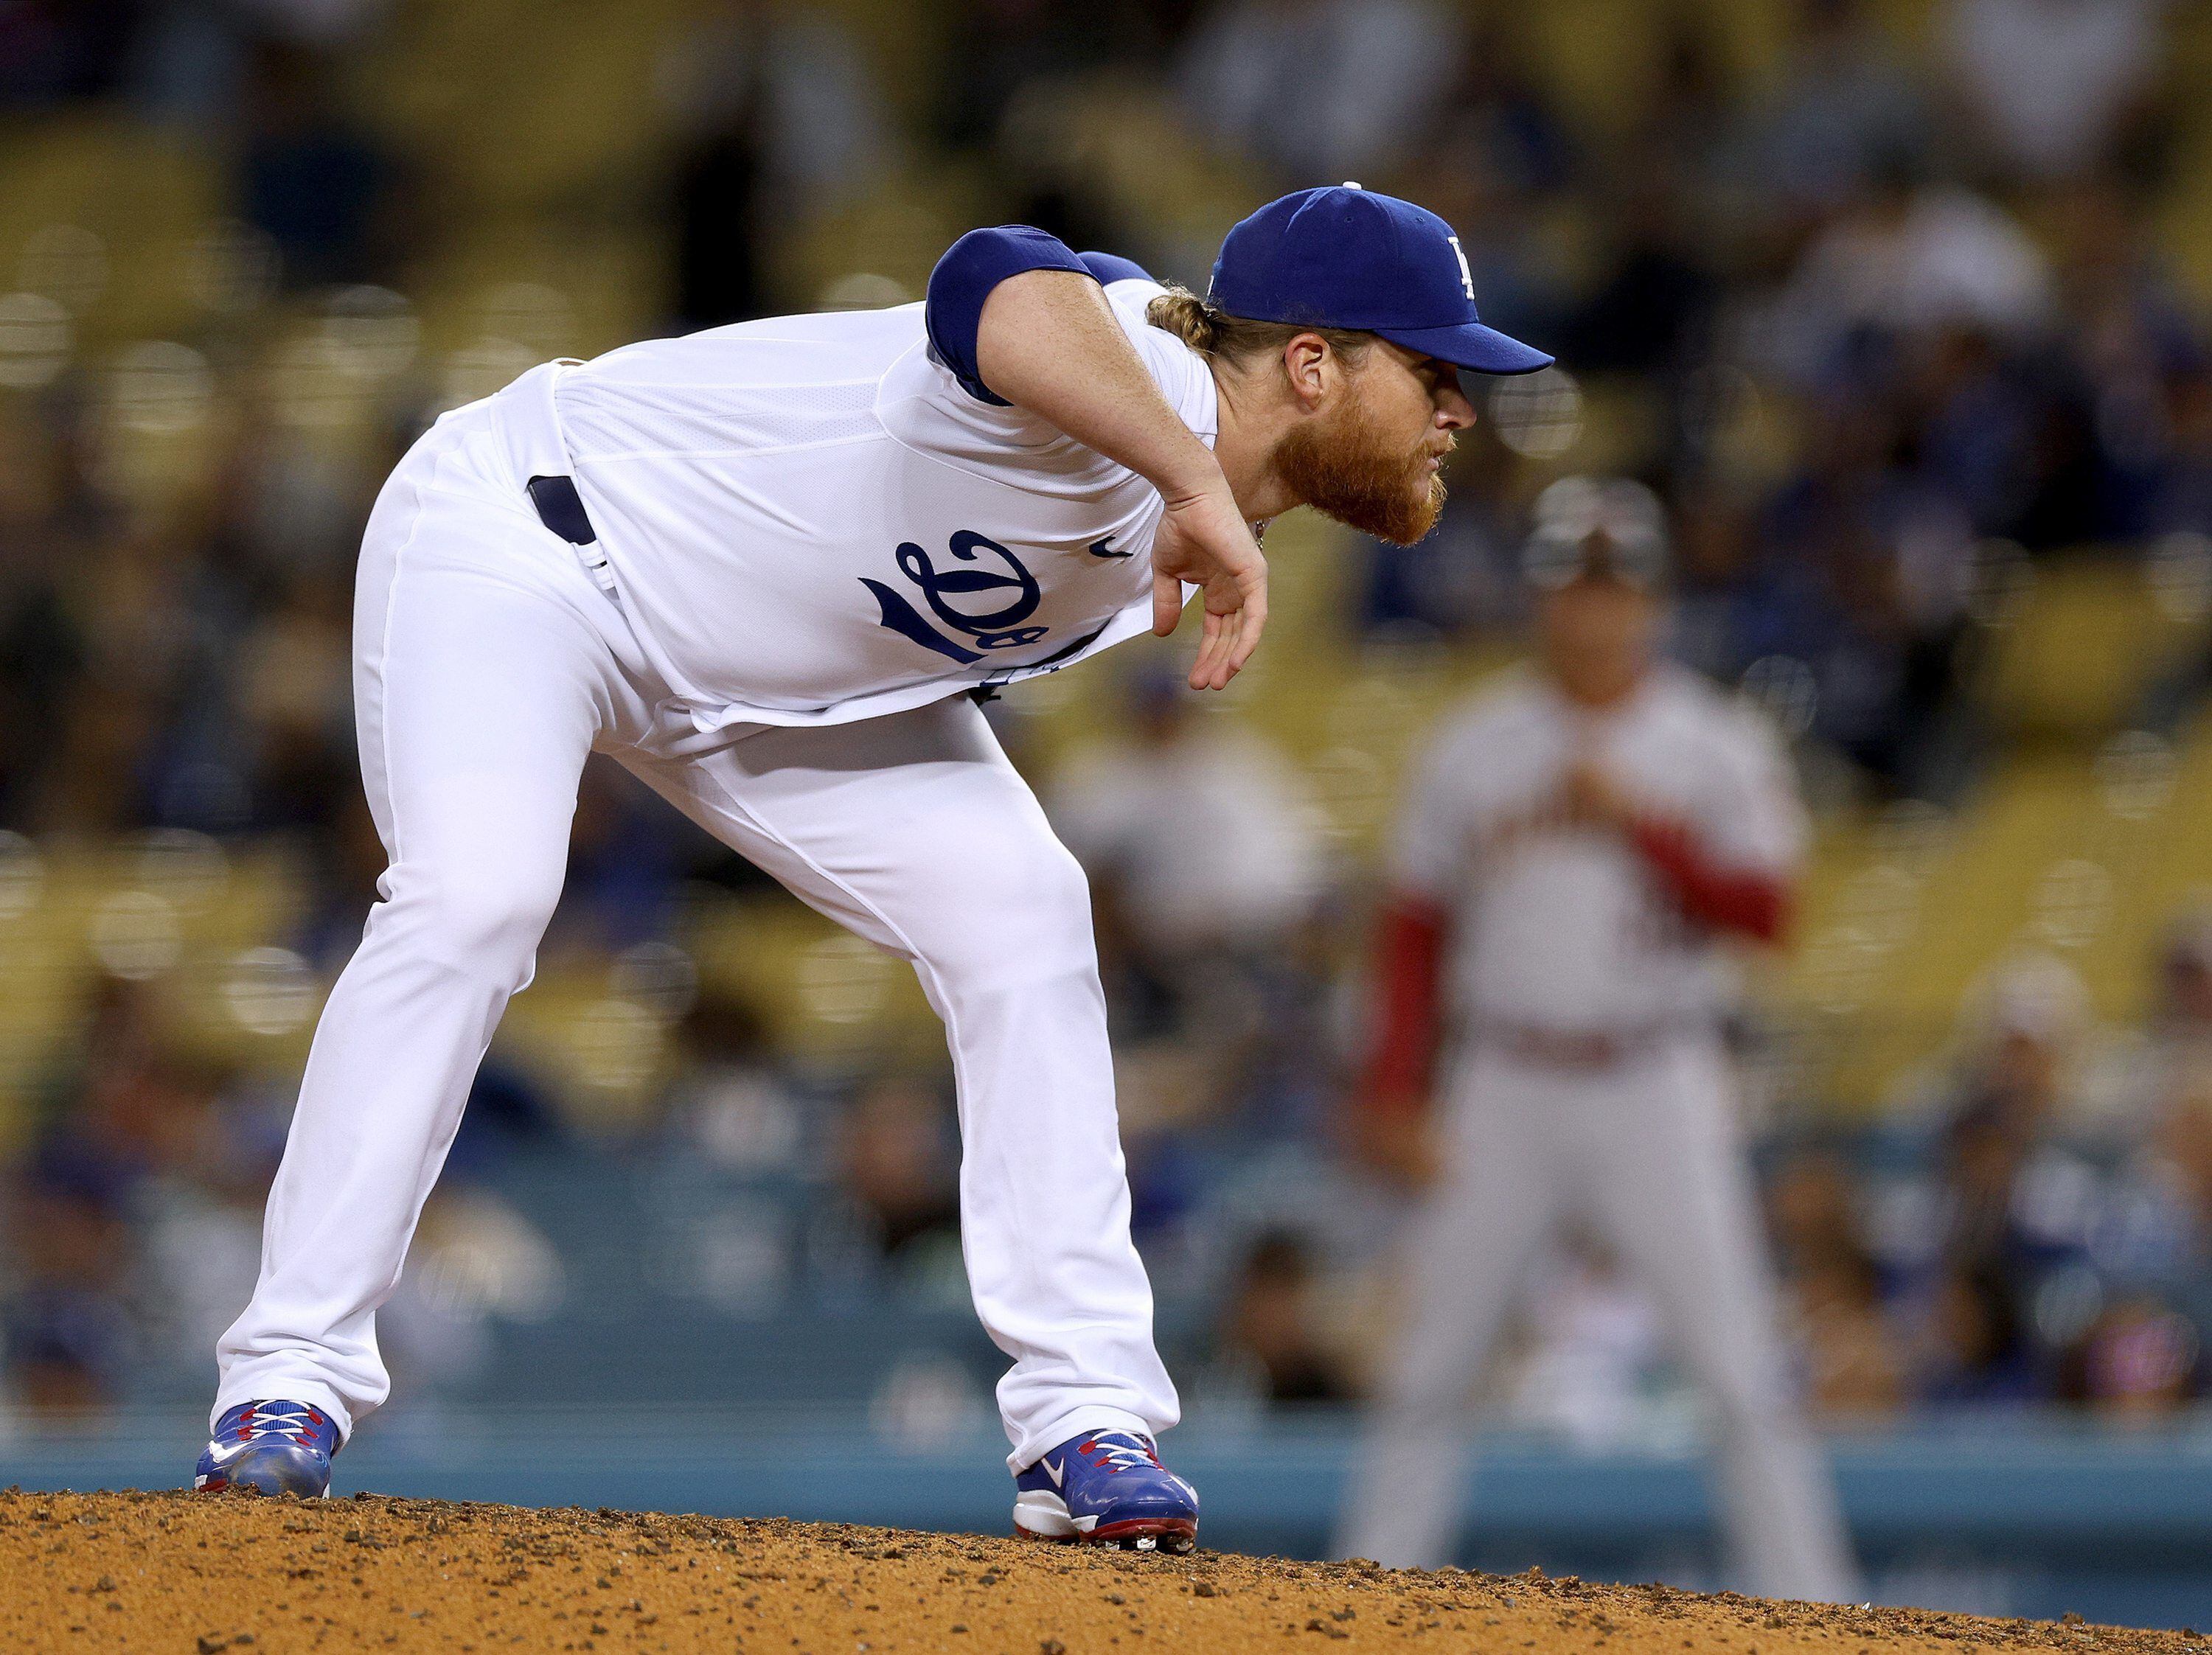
1348	257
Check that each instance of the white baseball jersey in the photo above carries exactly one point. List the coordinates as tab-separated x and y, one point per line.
811	522
1565	928
489	666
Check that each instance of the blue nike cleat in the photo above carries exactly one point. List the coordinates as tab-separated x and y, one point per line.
1106	1488
277	1447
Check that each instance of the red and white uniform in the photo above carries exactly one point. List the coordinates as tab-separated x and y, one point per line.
1573	977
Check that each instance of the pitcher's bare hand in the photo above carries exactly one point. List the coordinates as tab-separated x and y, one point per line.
1202	540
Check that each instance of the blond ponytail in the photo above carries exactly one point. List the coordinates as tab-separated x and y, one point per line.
1190	318
1236	340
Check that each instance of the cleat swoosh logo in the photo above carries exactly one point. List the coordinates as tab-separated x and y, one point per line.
1057	1473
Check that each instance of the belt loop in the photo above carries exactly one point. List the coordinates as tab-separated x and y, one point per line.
596	565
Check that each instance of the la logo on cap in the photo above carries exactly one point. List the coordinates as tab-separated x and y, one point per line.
1466	275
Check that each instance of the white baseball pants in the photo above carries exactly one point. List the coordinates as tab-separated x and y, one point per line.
1645	1156
488	663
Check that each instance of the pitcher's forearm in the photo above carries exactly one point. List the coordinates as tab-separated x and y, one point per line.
1049	343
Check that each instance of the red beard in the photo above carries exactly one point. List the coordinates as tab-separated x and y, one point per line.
1345	468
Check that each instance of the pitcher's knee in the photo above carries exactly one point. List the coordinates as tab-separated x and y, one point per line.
485	920
1022	916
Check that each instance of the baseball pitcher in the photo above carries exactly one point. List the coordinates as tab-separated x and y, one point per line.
766	568
1577	846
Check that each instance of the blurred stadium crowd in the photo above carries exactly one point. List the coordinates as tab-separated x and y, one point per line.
1900	307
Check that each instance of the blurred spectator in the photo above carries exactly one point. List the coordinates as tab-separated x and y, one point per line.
2136	1363
190	59
719	217
1652	305
122	1096
1318	90
508	1111
1269	1320
2173	1078
1845	100
318	184
2025	1031
1200	842
1907	255
2012	1096
1975	1348
899	1163
68	1337
2183	498
343	864
1492	128
53	51
2052	82
2133	335
1689	103
774	112
41	648
624	862
731	1097
1596	1348
2181	1017
997	49
295	707
1855	568
203	1230
1198	829
1854	1367
1988	1151
1854	1370
2049	1225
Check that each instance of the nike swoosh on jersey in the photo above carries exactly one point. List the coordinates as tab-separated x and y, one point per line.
1103	547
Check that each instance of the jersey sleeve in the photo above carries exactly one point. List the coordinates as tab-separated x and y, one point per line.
1111	268
952	313
952	310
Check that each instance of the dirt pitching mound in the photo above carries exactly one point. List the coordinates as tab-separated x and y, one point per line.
199	1574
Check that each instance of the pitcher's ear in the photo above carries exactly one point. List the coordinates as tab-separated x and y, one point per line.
1308	361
